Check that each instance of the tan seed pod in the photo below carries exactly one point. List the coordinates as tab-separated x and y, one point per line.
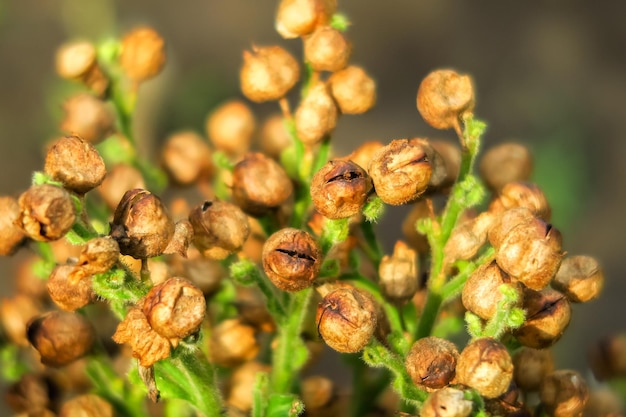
187	158
564	393
398	274
317	391
274	138
230	127
468	237
548	314
580	278
241	385
363	154
486	366
443	97
142	54
353	90
450	153
77	60
183	236
232	343
296	18
31	395
47	212
522	194
431	362
327	49
87	405
67	294
530	367
15	313
505	163
446	402
11	235
607	357
316	116
120	178
88	117
97	256
268	73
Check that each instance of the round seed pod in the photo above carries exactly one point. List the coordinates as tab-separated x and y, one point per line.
316	115
241	385
607	357
88	117
230	127
415	239
548	314
67	294
296	18
274	137
580	278
97	256
142	54
400	171
89	405
505	163
446	402
327	49
467	238
521	194
564	393
291	259
603	402
31	395
232	343
15	313
398	278
450	154
508	404
119	179
317	392
187	158
11	235
268	73
431	362
47	212
443	97
346	319
78	61
486	366
363	154
530	367
505	222
353	90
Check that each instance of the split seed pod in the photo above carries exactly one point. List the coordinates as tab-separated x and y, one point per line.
486	366
431	362
47	212
548	314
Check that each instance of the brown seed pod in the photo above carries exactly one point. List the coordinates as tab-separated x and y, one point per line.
32	394
78	61
486	366
607	357
60	337
431	362
291	259
230	127
316	116
450	155
47	212
508	404
443	97
142	54
67	294
505	163
241	385
141	225
317	392
400	171
219	228
363	154
274	137
232	343
97	256
15	313
119	179
88	405
530	367
353	90
415	239
327	49
507	221
296	18
522	194
187	158
548	314
604	401
398	278
11	235
446	402
580	278
268	73
183	236
88	117
468	237
564	393
346	319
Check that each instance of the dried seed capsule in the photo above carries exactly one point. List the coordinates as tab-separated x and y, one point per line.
446	402
274	137
450	154
300	17
97	256
398	278
32	394
468	237
327	49
317	392
508	404
564	393
486	366
353	90
78	61
604	402
141	225
340	189
65	293
88	117
268	73
187	158
415	239
431	362
530	367
15	313
316	115
580	278
505	163
260	184
143	54
183	236
346	319
88	405
119	179
364	153
400	172
522	194
230	127
175	308
76	164
241	385
291	259
60	337
232	343
47	212
443	97
548	314
11	235
607	357
220	228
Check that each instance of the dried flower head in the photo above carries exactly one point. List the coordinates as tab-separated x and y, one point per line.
47	212
220	228
143	54
580	278
548	314
268	73
230	127
443	97
353	90
67	294
431	362
88	117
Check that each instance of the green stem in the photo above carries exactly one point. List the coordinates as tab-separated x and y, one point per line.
371	247
128	402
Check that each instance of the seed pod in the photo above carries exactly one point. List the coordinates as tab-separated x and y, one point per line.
346	319
60	337
317	392
400	172
183	236
431	362
141	225
47	212
274	138
15	313
468	237
268	73
507	221
443	97
508	404
230	127
548	314
11	235
219	228
232	343
78	61
66	294
119	179
522	194
481	292
564	394
316	115
260	184
580	278
439	171
76	164
505	163
353	90
604	402
530	367
415	239
31	395
327	49
97	256
446	402
363	154
187	158
291	259
607	357
450	154
241	385
88	117
252	309
142	54
486	366
87	405
175	308
296	18
398	278
340	189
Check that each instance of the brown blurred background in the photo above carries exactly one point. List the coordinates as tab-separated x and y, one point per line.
551	74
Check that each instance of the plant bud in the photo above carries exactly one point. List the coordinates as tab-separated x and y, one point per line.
346	319
486	366
398	278
60	337
300	17
119	179
219	228
141	225
443	97
446	402
175	308
230	127
31	395
268	73
241	386
88	117
187	158
505	163
530	367
353	90
78	61
431	362
522	194
481	292
232	343
291	259
11	235
400	172
316	115
67	294
607	357
15	313
564	394
580	278
260	184
363	154
547	316
468	237
274	136
340	189
327	49
143	54
47	212
76	164
87	405
317	392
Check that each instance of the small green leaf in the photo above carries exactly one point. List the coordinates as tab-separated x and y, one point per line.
374	209
245	272
474	324
516	318
334	231
221	160
340	22
281	405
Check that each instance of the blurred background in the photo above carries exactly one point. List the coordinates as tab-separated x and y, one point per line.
550	75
